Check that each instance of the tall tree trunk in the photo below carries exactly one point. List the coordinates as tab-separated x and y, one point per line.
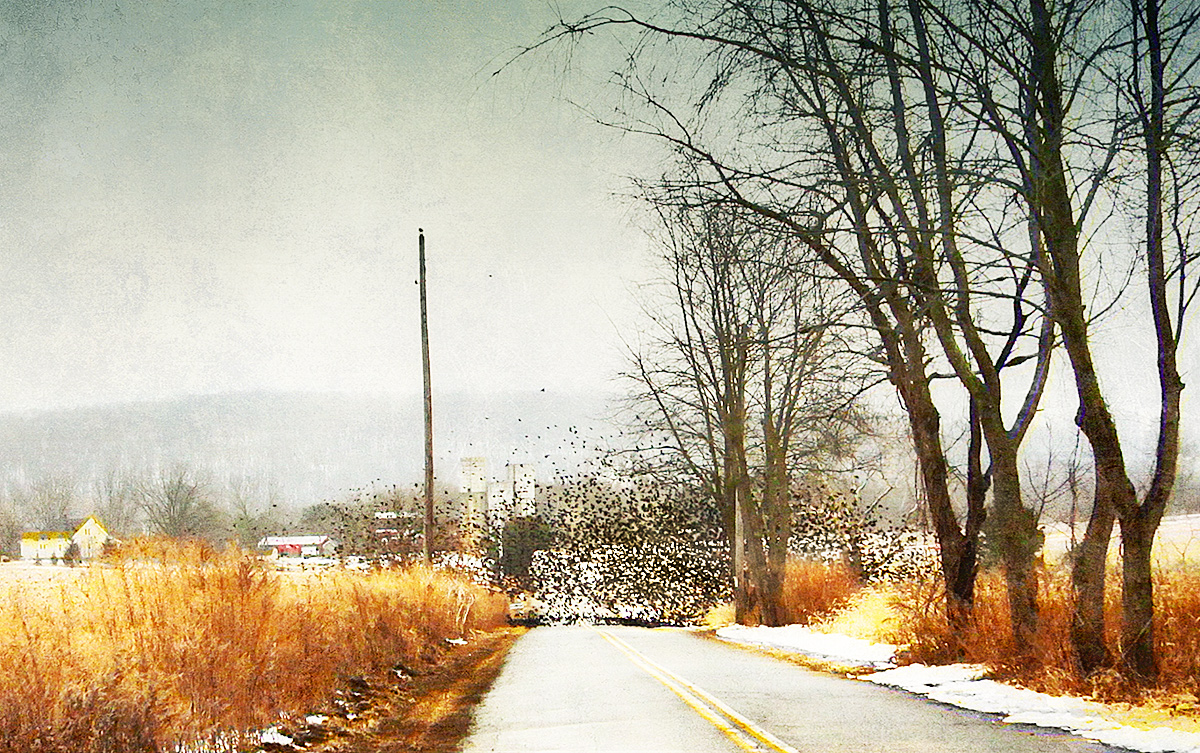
1139	524
1019	544
1089	568
737	477
737	486
1137	599
1052	207
957	552
777	520
965	347
978	482
757	581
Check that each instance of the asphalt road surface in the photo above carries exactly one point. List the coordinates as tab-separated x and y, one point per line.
584	688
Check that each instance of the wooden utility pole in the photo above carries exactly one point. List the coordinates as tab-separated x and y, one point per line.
428	527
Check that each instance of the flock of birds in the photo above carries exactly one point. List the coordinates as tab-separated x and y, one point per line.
608	543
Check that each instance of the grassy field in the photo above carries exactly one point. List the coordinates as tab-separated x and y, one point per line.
18	572
1176	543
180	644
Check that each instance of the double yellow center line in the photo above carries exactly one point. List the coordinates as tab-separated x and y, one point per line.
744	733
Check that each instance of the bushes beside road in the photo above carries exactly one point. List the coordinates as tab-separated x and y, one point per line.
920	623
911	614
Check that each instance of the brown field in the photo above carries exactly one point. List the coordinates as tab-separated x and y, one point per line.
181	644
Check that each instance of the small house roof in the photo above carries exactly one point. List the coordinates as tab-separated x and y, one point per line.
46	535
77	524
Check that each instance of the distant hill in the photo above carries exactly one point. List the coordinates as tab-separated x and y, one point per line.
313	446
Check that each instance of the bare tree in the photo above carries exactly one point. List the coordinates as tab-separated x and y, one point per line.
1163	89
177	503
50	502
1065	133
116	497
10	529
253	503
748	377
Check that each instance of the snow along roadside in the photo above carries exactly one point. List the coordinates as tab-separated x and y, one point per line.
965	686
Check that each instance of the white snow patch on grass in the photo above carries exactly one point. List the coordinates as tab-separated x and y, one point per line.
273	735
966	686
840	648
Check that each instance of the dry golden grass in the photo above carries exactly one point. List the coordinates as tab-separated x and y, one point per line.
869	614
912	615
811	591
917	620
719	616
174	643
920	624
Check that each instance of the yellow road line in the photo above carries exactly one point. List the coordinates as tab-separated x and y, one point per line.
744	733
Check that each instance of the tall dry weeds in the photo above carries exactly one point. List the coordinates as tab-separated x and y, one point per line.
921	626
177	642
812	590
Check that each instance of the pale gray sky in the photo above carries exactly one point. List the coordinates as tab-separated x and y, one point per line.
208	196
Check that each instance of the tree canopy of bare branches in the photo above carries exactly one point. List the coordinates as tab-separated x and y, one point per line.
750	379
954	164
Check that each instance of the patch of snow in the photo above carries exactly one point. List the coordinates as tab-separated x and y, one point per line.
1158	740
921	679
953	685
273	735
966	686
456	641
840	648
316	719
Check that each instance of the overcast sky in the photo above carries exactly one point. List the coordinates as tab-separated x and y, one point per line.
209	196
201	197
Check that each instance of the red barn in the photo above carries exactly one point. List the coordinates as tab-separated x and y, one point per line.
299	546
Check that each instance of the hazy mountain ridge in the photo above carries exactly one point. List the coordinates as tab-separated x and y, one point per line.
314	446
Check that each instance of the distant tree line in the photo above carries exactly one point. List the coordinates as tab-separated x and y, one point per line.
177	502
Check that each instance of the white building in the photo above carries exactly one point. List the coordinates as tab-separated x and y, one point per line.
474	491
41	546
498	500
89	537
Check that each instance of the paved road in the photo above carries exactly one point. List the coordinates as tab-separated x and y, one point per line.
630	689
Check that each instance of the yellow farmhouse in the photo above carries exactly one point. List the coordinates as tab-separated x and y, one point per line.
89	537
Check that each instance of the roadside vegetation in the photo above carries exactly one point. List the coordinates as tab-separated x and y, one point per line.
921	625
176	644
911	615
